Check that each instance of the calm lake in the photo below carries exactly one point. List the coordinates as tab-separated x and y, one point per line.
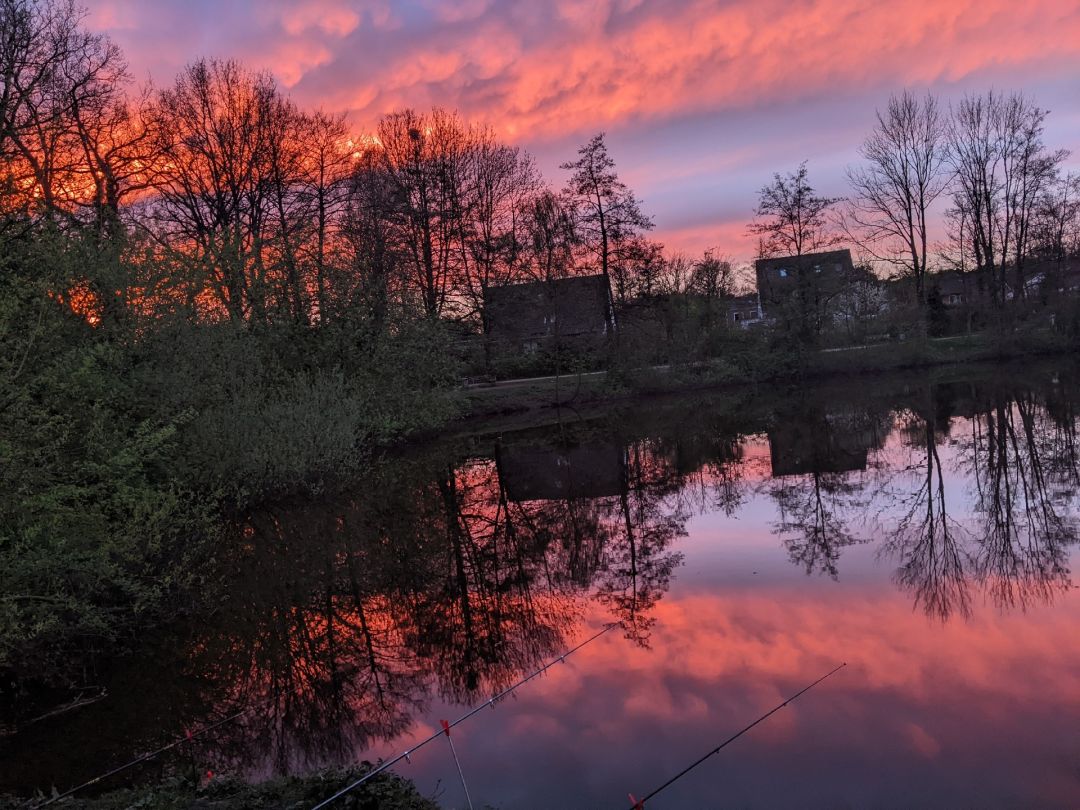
921	528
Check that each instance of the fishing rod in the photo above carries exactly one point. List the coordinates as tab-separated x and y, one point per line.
145	757
191	735
639	804
446	726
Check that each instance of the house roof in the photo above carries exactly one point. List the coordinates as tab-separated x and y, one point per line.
743	301
824	258
952	282
562	307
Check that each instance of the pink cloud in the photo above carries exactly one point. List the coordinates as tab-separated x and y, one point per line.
771	77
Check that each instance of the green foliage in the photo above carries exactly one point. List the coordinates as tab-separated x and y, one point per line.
121	445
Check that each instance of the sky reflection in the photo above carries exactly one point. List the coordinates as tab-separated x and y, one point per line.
924	532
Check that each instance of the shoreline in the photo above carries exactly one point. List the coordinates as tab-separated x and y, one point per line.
527	402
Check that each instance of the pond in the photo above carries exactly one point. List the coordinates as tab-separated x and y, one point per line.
920	528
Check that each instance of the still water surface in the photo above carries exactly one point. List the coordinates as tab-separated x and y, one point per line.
922	532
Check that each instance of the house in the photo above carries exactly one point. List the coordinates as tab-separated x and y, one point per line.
954	288
577	312
779	277
745	310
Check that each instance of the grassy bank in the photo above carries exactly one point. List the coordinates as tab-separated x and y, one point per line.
528	400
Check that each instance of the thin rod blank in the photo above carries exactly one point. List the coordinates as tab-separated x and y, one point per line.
147	756
641	802
461	773
462	719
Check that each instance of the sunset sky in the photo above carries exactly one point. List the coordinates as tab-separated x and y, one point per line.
702	101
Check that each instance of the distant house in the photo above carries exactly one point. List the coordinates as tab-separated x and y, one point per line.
745	310
971	289
575	311
779	277
954	289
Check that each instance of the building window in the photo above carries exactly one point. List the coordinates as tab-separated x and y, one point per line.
783	272
736	316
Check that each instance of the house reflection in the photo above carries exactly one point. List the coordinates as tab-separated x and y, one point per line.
451	572
591	469
809	441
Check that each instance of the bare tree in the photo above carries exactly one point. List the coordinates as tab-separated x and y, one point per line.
550	238
1002	168
212	202
792	219
328	155
424	157
905	172
70	141
713	277
1056	229
502	178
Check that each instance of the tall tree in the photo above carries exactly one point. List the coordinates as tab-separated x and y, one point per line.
1002	168
216	124
1056	230
792	218
793	221
550	237
501	179
424	157
328	157
904	173
608	215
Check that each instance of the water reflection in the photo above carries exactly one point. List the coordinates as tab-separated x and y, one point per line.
1015	450
450	572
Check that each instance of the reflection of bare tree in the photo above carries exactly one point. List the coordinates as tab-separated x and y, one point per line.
817	461
1021	555
305	638
483	622
812	521
344	617
925	539
639	565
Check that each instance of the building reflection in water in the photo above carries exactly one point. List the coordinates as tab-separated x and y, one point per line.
450	572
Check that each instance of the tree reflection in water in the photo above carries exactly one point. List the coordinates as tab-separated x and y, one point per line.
452	580
925	540
450	573
1018	454
816	456
1023	490
343	622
